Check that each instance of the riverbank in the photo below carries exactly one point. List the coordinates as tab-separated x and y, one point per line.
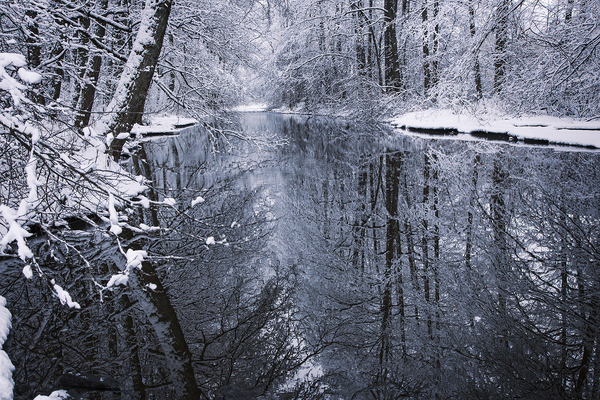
528	129
538	129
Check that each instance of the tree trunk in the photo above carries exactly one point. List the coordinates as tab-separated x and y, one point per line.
392	183
476	68
159	311
34	54
426	60
502	13
472	201
435	45
569	10
425	244
127	105
161	315
88	92
499	224
80	56
390	46
360	26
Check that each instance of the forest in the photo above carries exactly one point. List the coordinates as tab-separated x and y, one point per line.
313	255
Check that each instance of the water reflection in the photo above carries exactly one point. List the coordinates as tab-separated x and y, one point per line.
434	267
443	267
391	266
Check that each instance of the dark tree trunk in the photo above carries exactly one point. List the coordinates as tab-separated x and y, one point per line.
80	55
425	243
390	46
569	10
139	388
435	45
127	105
159	311
34	54
499	224
426	59
476	68
88	92
472	203
359	33
500	58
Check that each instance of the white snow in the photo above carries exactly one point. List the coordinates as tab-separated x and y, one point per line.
64	296
32	180
118	279
6	381
147	228
18	60
197	200
114	217
169	201
172	120
6	366
15	232
29	76
5	324
163	124
144	202
250	108
135	258
9	83
543	127
27	271
56	395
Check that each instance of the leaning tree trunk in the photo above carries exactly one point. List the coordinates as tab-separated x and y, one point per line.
127	105
161	315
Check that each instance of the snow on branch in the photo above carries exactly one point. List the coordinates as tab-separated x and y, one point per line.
134	260
6	366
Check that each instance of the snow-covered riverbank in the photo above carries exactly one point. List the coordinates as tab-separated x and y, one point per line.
540	129
535	130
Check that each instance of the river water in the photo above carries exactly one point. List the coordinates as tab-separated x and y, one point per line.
313	258
415	267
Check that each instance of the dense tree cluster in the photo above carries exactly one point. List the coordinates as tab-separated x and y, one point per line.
526	56
81	49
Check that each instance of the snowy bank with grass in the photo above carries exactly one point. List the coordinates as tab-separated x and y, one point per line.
538	129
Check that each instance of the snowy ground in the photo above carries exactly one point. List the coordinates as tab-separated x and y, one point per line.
529	129
163	125
250	108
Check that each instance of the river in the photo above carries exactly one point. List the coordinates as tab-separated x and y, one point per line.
314	258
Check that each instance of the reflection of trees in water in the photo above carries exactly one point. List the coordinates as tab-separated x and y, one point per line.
400	268
452	269
237	321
